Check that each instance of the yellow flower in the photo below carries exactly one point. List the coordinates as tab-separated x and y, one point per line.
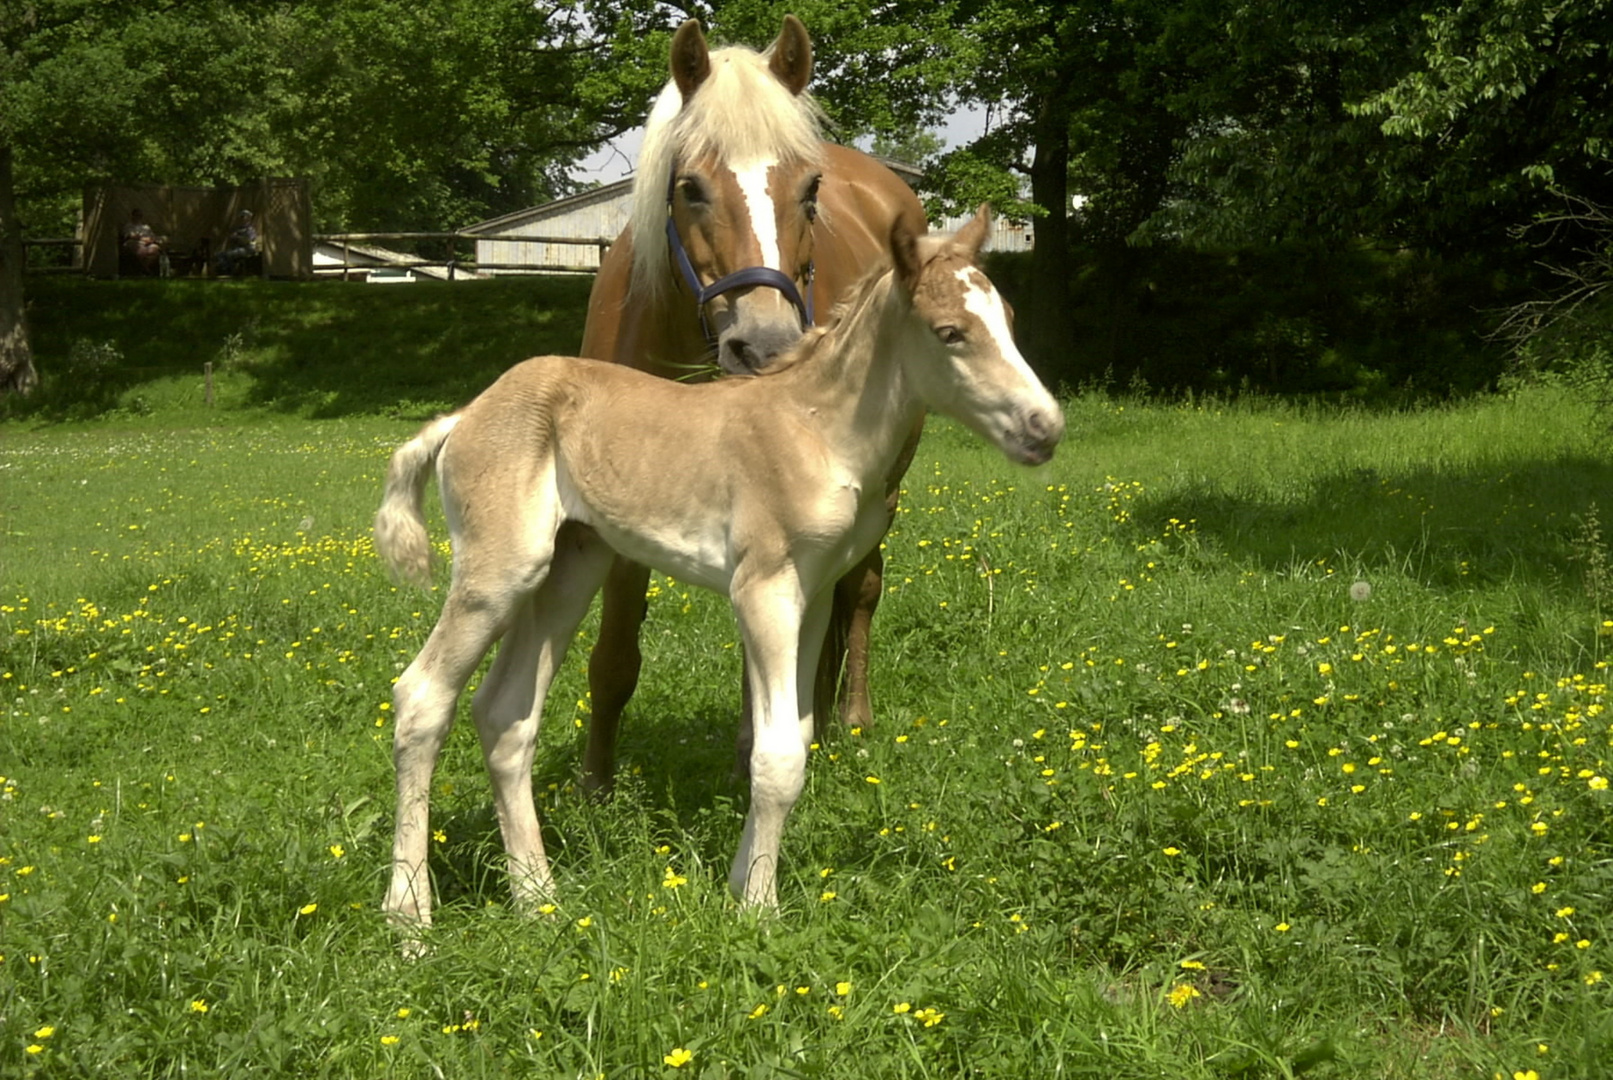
1181	994
1525	1074
759	1012
1173	851
872	779
827	895
35	1048
1538	887
389	1040
45	1032
671	879
679	1057
199	1005
337	851
1282	928
307	909
403	1013
843	989
901	1007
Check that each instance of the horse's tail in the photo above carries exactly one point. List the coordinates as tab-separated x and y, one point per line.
400	523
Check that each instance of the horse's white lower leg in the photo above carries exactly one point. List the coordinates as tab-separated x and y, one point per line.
508	707
770	620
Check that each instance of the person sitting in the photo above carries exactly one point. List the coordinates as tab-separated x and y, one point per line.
240	246
143	248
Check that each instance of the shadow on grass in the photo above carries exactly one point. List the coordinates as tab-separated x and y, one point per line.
674	784
1446	528
319	349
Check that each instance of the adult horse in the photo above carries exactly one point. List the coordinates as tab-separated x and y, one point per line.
564	461
745	223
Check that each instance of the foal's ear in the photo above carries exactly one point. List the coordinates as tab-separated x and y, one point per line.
691	60
790	57
905	254
972	237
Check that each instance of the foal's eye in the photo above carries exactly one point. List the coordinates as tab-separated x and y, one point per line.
949	335
694	192
809	201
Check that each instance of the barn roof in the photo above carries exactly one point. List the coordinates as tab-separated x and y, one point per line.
504	222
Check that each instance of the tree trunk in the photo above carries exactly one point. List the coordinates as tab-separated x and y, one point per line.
16	357
1048	327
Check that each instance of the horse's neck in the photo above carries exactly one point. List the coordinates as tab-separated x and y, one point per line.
856	383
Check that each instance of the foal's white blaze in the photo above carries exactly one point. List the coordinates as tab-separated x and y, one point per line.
752	180
1023	413
985	303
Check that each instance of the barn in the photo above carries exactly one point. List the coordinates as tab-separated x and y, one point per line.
569	234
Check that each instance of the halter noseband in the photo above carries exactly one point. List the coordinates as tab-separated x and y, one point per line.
739	279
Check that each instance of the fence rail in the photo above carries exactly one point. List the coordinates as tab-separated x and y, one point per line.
451	263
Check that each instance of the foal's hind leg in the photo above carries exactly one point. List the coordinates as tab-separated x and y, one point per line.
508	706
424	700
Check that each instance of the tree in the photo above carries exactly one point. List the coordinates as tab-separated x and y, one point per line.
1511	101
404	114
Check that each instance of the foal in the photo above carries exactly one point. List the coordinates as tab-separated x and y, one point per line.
765	488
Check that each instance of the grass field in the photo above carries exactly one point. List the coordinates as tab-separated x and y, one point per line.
1239	741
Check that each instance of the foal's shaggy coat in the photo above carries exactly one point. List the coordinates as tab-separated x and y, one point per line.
766	489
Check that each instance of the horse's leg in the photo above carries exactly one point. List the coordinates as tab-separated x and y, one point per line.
613	668
423	701
856	596
770	614
844	666
508	706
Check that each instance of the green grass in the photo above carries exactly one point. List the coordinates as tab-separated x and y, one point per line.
1155	795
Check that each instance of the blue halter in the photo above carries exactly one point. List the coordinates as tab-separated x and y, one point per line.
739	279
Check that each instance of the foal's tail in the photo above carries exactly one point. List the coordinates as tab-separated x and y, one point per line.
400	523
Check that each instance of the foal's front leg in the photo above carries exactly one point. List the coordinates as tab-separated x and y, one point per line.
782	634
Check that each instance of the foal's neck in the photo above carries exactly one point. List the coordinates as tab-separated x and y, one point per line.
855	380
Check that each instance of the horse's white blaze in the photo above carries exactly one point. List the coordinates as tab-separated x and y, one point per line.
752	180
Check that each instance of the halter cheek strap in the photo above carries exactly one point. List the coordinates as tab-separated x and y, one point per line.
739	279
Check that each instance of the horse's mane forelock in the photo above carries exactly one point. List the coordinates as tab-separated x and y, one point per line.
740	113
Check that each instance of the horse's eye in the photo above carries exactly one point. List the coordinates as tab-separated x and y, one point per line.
809	201
949	335
694	192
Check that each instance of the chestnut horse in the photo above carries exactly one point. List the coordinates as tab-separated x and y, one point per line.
744	224
563	462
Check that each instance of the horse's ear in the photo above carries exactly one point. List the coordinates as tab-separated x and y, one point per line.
790	57
972	237
691	60
905	254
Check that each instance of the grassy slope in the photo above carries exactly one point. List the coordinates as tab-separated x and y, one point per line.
1139	749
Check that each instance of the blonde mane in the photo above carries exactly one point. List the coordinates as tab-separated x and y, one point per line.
740	113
